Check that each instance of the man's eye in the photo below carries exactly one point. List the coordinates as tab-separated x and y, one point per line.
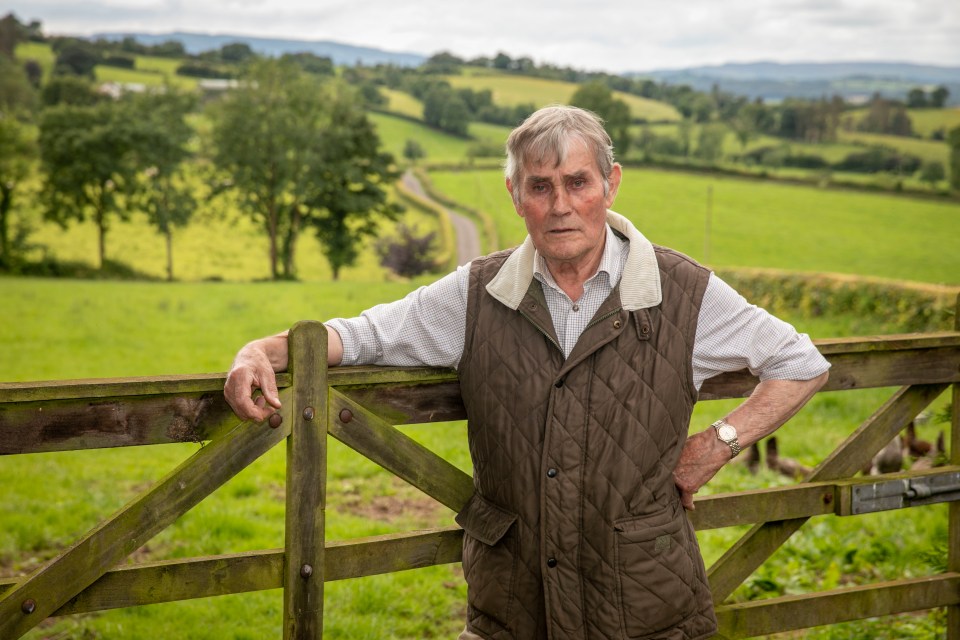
539	188
579	183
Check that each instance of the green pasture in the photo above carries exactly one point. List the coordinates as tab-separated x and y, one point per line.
403	103
924	121
927	150
511	90
440	147
54	329
38	51
762	224
149	77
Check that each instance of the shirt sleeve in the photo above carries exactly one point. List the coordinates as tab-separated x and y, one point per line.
425	328
733	334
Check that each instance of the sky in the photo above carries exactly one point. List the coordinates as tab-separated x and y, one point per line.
611	35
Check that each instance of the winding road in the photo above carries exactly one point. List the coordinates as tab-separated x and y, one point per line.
468	240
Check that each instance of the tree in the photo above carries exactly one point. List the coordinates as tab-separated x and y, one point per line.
597	97
348	195
413	151
236	52
86	154
264	134
162	190
445	109
17	95
710	142
12	32
75	90
953	141
938	97
917	98
78	57
301	152
17	149
932	173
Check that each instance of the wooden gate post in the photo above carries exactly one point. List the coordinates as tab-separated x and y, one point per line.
953	537
306	483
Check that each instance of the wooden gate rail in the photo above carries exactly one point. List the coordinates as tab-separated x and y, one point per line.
360	407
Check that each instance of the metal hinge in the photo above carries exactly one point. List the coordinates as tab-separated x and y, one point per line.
904	492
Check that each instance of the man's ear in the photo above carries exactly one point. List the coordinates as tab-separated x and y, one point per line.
516	205
616	174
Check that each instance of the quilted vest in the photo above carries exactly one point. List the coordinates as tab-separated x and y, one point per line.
575	529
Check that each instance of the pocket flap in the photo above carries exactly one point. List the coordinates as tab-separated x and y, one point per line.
484	520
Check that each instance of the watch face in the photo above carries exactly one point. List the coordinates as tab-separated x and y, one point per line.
726	432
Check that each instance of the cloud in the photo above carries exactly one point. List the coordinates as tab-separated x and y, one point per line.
617	35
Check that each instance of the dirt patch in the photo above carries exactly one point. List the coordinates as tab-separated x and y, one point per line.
402	502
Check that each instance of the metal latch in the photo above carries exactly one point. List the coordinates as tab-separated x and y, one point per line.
905	492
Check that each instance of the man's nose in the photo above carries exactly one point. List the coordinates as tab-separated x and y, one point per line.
561	201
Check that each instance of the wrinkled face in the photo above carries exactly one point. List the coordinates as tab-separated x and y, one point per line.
564	207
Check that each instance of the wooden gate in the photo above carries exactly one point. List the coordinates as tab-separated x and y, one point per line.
360	406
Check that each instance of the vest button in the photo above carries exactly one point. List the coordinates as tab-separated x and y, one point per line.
616	324
551	562
551	473
558	383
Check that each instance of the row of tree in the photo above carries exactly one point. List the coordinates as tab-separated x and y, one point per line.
290	146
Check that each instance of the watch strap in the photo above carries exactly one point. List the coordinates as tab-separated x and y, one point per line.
733	443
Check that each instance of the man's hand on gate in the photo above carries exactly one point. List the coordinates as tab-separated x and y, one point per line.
702	456
254	369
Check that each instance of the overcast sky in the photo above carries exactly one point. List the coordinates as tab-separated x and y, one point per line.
613	35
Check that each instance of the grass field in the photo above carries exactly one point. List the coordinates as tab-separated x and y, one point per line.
762	224
511	90
67	329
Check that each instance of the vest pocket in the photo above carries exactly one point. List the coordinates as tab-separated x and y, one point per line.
655	574
489	563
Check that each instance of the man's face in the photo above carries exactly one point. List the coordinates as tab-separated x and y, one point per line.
565	209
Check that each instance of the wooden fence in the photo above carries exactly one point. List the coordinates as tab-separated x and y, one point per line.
360	406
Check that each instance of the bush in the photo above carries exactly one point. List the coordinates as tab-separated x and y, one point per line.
408	254
197	69
879	159
120	61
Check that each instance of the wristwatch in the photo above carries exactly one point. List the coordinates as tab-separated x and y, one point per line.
727	435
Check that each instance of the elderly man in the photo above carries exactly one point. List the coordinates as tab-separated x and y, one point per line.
580	356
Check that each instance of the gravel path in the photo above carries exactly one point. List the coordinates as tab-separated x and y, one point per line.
468	240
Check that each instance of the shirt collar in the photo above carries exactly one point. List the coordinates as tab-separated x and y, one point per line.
611	262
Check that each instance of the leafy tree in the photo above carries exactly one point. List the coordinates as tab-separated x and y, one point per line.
12	32
349	184
917	98
413	151
86	155
598	97
78	57
408	254
932	172
938	97
74	90
710	142
17	94
445	109
302	153
953	141
17	149
162	190
264	133
236	52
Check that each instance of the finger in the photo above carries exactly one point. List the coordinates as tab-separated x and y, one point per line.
268	387
686	499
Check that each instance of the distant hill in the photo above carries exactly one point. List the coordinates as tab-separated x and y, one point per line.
340	53
775	81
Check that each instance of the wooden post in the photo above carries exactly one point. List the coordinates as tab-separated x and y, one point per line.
306	483
953	537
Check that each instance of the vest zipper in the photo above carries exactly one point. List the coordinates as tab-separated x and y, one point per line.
545	334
